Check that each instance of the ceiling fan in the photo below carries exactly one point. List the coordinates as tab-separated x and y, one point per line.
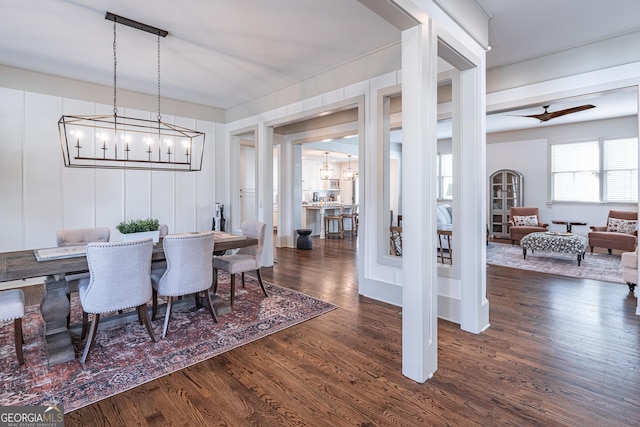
548	115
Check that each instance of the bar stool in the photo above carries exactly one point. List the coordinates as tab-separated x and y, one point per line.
327	224
351	214
12	308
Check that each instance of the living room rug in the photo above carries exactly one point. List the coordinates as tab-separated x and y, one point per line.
596	266
124	356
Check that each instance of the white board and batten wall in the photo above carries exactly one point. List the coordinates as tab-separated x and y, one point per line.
41	196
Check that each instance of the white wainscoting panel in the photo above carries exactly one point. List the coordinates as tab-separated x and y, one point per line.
42	177
11	147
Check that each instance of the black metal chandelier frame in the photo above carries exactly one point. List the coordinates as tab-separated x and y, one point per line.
128	142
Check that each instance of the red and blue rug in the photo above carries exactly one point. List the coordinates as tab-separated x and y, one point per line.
124	356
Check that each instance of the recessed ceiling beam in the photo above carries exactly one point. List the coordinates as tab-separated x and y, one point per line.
135	24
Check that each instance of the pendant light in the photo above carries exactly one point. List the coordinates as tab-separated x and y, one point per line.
118	142
326	172
349	174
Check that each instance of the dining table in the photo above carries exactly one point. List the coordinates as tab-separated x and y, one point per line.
55	264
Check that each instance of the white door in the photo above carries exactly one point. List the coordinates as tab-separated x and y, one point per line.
247	183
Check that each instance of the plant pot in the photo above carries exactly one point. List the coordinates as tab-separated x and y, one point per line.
155	235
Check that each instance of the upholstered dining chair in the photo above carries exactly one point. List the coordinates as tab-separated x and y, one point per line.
163	230
12	308
246	259
119	278
523	221
77	237
189	271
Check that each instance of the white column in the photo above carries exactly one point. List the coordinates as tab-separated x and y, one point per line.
471	197
419	150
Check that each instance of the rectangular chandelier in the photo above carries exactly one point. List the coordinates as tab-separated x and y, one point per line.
117	142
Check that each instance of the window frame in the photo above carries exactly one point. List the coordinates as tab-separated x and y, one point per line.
601	173
441	178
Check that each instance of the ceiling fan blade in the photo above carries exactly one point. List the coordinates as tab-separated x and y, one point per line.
570	111
547	115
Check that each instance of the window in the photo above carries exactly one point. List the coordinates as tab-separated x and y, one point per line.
445	176
605	170
620	167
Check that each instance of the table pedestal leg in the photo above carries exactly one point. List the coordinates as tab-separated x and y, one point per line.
55	308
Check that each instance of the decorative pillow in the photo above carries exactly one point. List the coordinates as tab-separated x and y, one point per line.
529	220
627	226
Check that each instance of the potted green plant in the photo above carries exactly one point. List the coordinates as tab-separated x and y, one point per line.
139	229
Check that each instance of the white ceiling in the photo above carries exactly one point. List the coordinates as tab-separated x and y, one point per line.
219	53
525	29
223	53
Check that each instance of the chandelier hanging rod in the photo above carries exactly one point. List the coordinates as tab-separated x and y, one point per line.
135	24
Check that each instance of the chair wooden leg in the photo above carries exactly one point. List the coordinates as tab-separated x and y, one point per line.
215	280
233	286
144	313
243	279
167	316
85	323
198	301
91	338
261	284
69	315
154	304
19	339
210	307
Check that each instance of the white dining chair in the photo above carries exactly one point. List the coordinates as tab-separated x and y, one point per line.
12	308
246	259
119	278
78	237
189	271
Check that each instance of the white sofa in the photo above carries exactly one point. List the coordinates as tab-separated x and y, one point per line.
444	222
630	268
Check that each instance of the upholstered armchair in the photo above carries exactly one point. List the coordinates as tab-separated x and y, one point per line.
246	259
523	221
119	278
189	271
620	232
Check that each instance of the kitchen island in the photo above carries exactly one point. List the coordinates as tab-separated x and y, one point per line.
313	215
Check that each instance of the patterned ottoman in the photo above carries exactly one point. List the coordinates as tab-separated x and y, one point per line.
555	242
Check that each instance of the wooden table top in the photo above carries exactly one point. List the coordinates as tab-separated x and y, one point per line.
23	264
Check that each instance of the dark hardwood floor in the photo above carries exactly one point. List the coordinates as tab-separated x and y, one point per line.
559	352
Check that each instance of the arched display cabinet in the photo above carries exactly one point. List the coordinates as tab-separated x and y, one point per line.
505	192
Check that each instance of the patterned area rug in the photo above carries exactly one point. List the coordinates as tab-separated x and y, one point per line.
597	266
124	356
